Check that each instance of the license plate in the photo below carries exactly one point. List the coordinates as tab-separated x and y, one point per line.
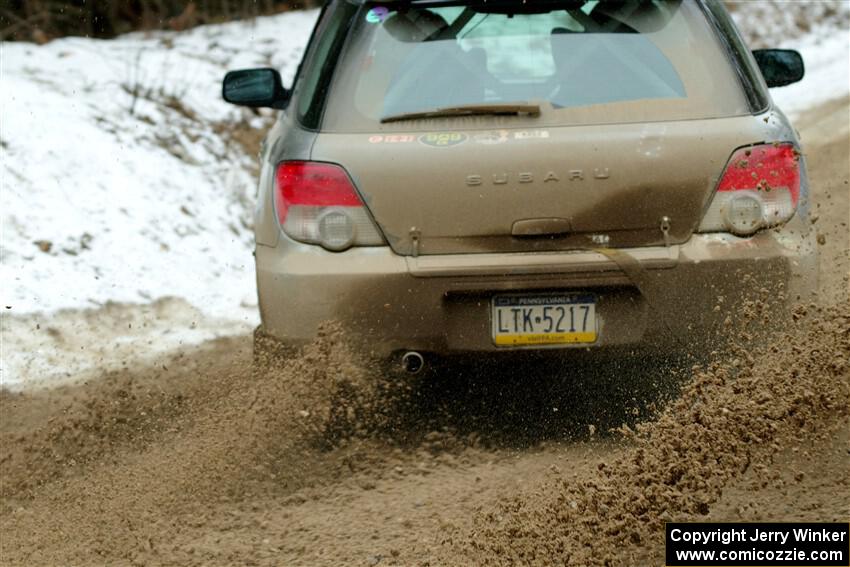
528	320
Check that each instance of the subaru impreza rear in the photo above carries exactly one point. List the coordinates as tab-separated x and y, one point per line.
460	176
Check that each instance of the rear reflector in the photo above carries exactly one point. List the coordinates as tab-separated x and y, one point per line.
316	203
760	188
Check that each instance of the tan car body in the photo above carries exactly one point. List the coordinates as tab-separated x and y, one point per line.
438	300
474	207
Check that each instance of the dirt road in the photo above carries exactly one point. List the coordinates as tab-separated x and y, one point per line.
192	460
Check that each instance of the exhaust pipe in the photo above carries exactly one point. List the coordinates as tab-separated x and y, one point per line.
412	362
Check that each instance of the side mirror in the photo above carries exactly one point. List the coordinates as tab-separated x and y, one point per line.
780	67
257	88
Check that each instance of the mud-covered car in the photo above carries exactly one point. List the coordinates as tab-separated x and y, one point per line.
453	176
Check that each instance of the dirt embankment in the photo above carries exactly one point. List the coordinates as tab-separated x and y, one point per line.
195	460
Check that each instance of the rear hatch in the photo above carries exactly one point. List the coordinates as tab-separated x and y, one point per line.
632	132
538	188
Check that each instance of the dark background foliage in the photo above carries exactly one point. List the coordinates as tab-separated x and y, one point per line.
43	20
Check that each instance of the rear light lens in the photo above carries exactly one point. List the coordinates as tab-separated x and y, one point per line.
317	203
760	188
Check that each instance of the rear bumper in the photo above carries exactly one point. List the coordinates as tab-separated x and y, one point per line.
442	303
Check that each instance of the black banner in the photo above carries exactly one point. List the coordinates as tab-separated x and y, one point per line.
759	545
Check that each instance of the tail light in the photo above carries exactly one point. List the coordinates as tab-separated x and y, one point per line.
317	203
760	188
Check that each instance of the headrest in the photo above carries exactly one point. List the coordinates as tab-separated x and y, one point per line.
414	25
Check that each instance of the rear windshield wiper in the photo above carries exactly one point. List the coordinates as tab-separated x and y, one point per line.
508	109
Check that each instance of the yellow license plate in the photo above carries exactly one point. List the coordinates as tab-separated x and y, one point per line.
539	320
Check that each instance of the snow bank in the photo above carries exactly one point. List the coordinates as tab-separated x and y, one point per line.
774	23
119	184
116	182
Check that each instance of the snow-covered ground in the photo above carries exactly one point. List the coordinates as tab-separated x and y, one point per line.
119	184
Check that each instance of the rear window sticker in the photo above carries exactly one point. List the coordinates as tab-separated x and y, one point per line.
491	138
443	139
391	139
377	14
531	134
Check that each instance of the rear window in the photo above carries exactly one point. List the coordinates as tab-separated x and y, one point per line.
581	61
